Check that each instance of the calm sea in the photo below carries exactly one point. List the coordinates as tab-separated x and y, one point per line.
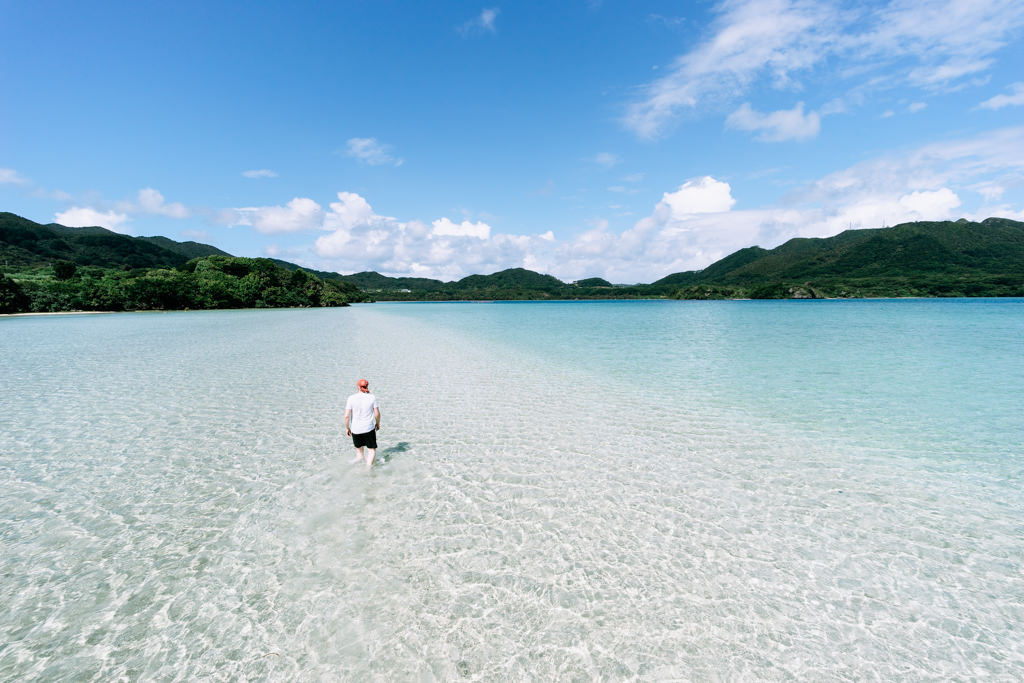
809	490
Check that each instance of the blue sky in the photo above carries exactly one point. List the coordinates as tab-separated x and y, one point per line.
626	140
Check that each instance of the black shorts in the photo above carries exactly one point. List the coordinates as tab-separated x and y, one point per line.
369	439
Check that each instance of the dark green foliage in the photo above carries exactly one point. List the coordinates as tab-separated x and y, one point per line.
117	272
94	269
513	278
189	250
592	282
12	297
708	292
64	270
204	283
944	258
914	259
24	243
375	282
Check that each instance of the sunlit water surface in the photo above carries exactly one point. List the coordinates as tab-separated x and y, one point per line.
610	490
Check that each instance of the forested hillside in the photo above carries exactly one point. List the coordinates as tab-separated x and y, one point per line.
51	267
54	268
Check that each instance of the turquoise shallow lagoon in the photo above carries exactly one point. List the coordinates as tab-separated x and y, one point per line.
819	490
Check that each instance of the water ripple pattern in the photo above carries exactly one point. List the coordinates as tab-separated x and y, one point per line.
638	491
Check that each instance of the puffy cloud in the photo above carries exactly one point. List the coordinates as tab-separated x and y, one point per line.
85	217
298	215
788	124
934	205
704	195
351	213
784	41
369	151
445	227
148	201
151	201
1014	99
259	173
690	226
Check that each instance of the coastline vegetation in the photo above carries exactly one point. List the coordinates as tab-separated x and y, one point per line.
55	268
921	259
209	282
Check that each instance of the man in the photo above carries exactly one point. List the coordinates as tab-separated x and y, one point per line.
362	420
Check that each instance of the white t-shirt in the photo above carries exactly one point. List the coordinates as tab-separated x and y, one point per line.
361	404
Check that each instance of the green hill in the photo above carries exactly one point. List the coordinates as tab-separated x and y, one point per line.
513	279
56	268
375	282
943	258
189	250
592	282
24	243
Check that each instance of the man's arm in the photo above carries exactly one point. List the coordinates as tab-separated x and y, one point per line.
376	416
348	414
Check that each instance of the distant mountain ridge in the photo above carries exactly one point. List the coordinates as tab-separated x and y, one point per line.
932	247
925	258
930	258
934	258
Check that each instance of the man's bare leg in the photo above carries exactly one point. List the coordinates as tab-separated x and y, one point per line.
359	456
369	460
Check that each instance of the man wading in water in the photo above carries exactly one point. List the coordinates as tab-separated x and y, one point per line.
362	420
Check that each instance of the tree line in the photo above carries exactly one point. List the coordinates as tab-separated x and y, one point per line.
211	282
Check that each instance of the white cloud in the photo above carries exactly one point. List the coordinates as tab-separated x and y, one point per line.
10	176
929	206
148	201
1014	99
787	124
85	217
349	211
916	107
298	215
259	173
704	195
775	38
369	151
692	225
784	42
445	227
482	23
152	202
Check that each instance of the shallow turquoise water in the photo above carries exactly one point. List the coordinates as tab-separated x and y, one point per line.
615	490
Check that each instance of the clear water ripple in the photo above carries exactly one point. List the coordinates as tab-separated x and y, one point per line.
571	492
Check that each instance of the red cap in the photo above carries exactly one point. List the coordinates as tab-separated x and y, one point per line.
363	385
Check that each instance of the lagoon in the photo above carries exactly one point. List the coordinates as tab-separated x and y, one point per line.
652	490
